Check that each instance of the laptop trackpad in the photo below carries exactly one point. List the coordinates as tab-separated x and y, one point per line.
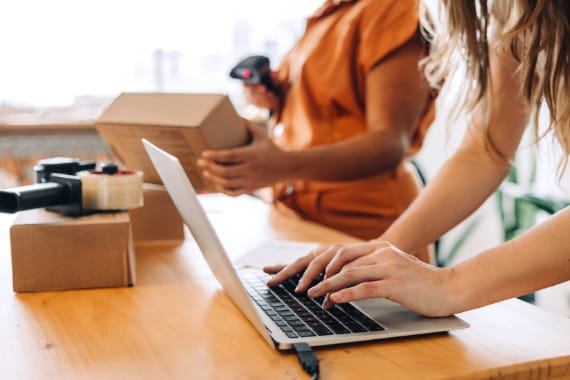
394	317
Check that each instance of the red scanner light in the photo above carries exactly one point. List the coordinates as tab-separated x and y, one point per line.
246	74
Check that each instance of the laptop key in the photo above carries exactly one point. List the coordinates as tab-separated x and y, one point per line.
306	333
275	318
363	319
322	330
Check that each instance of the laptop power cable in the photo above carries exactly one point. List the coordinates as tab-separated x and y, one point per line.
308	359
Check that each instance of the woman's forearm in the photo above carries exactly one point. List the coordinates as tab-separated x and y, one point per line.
460	187
535	260
365	155
476	170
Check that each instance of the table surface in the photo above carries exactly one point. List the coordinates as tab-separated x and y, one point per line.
177	323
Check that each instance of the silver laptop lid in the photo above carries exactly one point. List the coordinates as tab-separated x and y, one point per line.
184	197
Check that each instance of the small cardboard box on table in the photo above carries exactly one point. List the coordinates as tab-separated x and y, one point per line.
158	221
51	251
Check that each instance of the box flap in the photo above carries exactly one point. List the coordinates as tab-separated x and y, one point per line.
167	109
42	216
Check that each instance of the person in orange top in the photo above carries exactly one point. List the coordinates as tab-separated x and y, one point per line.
352	106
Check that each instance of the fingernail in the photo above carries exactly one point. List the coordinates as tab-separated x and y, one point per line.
326	302
300	286
314	291
337	297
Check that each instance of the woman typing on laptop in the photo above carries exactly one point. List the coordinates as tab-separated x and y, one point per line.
517	55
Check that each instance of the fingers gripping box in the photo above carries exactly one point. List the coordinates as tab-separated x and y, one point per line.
55	252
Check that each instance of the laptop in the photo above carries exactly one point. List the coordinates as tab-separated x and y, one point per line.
281	316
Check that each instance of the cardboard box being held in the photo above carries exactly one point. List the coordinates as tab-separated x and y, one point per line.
55	252
181	124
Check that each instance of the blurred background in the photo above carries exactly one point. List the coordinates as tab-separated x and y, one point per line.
59	52
62	62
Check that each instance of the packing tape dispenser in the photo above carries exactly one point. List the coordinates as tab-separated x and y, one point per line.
75	188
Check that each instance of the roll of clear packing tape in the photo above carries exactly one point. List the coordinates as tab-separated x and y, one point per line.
118	191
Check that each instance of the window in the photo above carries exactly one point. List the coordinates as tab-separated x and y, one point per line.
65	52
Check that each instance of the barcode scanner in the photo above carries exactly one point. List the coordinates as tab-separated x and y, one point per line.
254	70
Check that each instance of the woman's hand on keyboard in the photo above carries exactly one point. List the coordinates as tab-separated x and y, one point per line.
386	272
369	270
317	261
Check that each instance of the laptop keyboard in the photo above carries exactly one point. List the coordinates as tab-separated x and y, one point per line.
298	315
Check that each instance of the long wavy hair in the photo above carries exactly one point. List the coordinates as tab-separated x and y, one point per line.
537	35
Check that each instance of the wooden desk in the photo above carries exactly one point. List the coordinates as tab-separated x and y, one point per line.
176	323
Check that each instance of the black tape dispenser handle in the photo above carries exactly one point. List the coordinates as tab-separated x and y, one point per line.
255	69
62	193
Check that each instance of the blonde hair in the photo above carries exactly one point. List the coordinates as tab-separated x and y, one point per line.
537	35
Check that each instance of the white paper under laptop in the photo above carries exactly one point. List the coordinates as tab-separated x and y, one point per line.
395	321
282	251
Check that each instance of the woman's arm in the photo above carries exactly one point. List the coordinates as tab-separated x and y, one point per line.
396	97
536	259
396	94
474	171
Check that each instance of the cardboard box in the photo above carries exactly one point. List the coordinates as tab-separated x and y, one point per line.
54	252
158	220
181	124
